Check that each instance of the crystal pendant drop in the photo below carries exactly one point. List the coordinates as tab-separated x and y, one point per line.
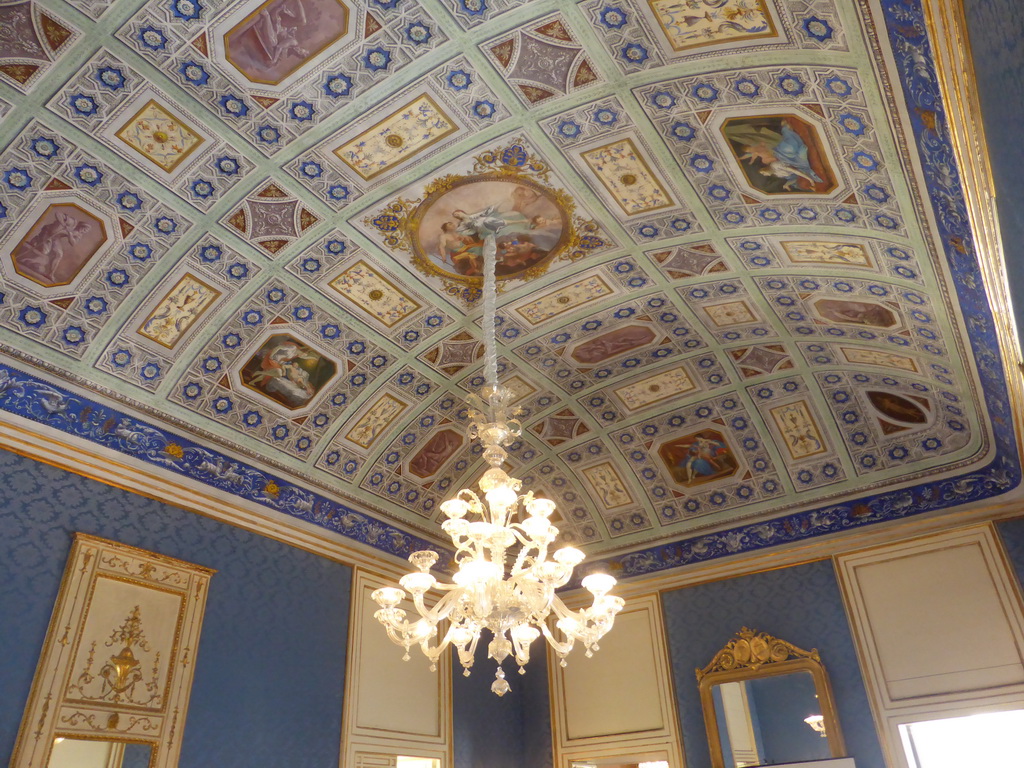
500	685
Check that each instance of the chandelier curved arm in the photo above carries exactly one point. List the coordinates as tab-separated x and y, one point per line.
403	632
442	608
560	648
451	637
527	545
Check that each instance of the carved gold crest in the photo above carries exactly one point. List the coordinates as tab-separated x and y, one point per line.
752	649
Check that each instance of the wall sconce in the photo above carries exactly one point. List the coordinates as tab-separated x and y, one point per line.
817	722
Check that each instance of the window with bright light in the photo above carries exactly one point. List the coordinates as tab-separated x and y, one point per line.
989	739
417	762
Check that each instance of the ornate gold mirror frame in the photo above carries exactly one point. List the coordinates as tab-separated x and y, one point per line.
752	655
114	677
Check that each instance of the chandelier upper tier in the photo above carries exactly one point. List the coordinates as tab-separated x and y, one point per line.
506	577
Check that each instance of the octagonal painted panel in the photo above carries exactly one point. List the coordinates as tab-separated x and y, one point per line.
59	244
281	36
780	154
287	371
699	457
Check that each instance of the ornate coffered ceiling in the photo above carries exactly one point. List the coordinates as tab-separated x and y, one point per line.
742	303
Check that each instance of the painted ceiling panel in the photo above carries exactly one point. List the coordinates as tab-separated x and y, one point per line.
740	301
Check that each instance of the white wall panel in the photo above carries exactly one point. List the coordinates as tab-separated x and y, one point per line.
394	695
925	611
391	706
617	690
619	702
939	627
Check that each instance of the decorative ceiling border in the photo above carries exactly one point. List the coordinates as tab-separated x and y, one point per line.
33	398
926	93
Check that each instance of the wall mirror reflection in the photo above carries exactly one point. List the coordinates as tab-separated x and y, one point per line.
71	752
649	761
767	702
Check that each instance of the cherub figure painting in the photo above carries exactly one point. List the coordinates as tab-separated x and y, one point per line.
698	458
525	224
282	35
58	245
287	371
780	154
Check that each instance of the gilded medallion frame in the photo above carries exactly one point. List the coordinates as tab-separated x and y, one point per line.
396	221
443	186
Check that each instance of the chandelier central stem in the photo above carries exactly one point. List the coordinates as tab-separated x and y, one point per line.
490	309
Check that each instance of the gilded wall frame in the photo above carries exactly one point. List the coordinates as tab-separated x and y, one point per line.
117	661
750	655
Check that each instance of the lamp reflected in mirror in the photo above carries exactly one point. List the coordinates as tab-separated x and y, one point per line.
69	752
759	695
632	761
817	722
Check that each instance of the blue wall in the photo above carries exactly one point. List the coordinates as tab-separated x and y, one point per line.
802	605
781	704
511	731
996	29
1012	534
270	671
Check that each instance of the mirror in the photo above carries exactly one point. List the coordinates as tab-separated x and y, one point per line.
767	702
99	753
621	762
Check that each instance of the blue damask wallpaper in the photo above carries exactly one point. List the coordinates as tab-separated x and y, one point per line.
1012	534
270	671
513	731
996	29
802	605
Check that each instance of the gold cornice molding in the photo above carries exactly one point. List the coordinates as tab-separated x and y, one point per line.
954	65
813	550
111	468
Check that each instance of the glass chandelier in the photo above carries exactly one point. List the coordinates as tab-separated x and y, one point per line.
505	581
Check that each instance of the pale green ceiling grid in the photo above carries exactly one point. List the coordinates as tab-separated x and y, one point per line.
524	121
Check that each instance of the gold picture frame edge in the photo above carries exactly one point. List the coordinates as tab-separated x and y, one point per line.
442	185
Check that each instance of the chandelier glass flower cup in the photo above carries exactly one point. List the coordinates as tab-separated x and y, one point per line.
506	577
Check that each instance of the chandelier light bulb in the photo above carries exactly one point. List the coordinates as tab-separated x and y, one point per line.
388	597
569	556
501	498
455	528
455	509
540	507
598	584
423	560
504	581
817	722
537	528
417	583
